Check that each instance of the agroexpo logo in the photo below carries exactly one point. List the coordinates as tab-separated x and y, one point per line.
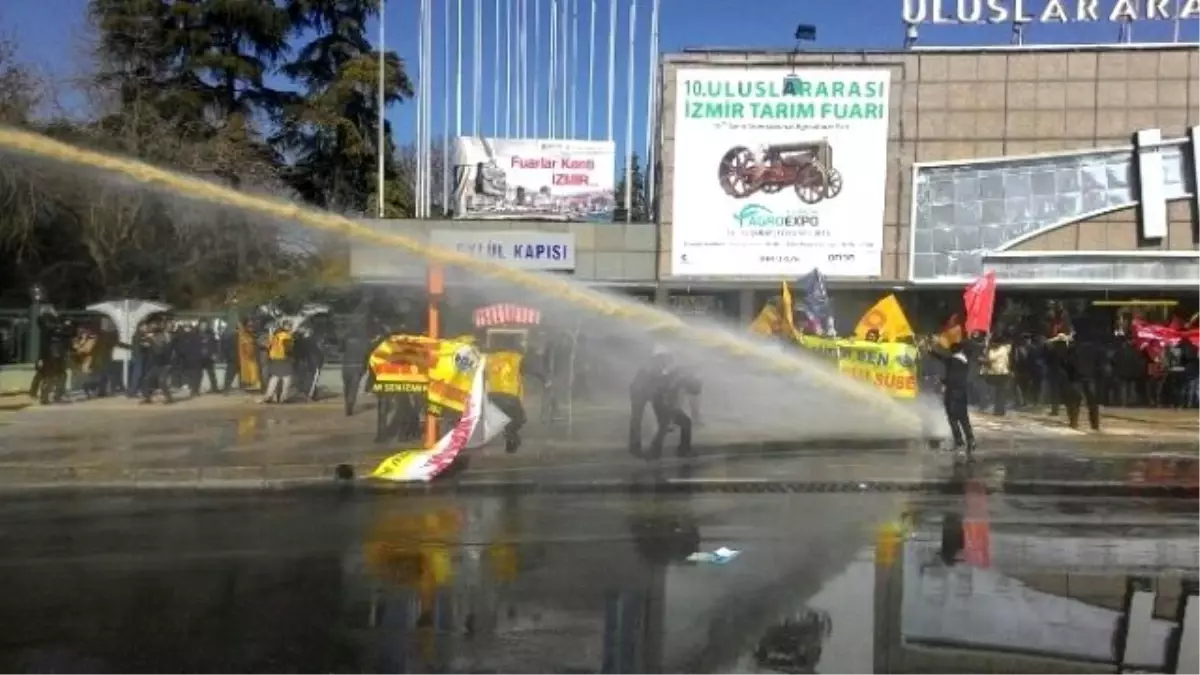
757	215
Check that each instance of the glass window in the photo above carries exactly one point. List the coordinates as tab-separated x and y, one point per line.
965	210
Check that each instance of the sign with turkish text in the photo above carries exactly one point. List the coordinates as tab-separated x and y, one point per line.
551	251
1047	11
516	179
779	171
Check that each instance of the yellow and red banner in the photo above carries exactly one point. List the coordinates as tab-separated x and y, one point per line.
424	465
888	366
401	363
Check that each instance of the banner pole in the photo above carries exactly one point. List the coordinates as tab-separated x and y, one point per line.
436	286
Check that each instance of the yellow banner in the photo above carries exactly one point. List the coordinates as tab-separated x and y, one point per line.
400	364
889	366
451	377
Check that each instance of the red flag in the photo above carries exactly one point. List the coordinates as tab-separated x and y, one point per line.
980	300
1156	336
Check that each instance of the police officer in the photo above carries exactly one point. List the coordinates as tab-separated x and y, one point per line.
670	389
641	392
355	349
955	381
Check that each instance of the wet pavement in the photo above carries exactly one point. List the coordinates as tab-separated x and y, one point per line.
974	579
229	441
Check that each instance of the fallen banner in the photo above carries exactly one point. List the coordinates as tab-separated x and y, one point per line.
480	423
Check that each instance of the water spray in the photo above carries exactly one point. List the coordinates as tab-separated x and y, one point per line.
891	414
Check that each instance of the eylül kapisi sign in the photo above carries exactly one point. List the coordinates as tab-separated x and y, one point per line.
1047	11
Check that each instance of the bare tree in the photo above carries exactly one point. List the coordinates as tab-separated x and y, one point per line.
406	166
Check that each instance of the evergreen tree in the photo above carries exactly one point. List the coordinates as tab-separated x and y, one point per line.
332	133
637	200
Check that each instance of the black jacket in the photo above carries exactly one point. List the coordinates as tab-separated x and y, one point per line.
958	367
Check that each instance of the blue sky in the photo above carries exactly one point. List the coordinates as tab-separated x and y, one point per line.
54	40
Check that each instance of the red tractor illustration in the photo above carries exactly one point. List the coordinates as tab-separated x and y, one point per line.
806	167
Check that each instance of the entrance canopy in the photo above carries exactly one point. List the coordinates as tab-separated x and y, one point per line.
506	314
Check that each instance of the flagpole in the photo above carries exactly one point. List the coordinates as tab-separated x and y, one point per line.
521	111
420	112
565	56
477	75
517	102
591	95
612	62
380	146
536	94
496	73
526	98
429	111
574	65
446	107
629	113
552	81
458	79
507	69
652	95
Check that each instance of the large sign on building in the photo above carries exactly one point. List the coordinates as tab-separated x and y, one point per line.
1047	11
527	250
779	171
525	179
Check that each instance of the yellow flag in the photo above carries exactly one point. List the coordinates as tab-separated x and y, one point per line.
787	307
887	319
766	322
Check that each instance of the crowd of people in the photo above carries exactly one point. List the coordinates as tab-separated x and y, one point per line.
1061	368
166	356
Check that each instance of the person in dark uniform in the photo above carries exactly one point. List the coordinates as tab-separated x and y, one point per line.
159	349
51	377
641	392
955	395
1081	373
355	349
667	400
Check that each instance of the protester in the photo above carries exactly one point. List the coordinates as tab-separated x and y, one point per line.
280	366
997	373
505	373
958	366
158	349
206	351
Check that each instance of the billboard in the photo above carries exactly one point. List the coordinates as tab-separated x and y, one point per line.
779	171
505	178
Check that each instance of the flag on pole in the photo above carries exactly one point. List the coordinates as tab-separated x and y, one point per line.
788	312
979	300
887	319
815	302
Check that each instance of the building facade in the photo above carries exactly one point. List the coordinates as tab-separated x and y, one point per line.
1065	168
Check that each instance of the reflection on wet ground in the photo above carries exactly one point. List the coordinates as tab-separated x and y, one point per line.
856	582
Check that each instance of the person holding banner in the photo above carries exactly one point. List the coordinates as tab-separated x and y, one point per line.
504	374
